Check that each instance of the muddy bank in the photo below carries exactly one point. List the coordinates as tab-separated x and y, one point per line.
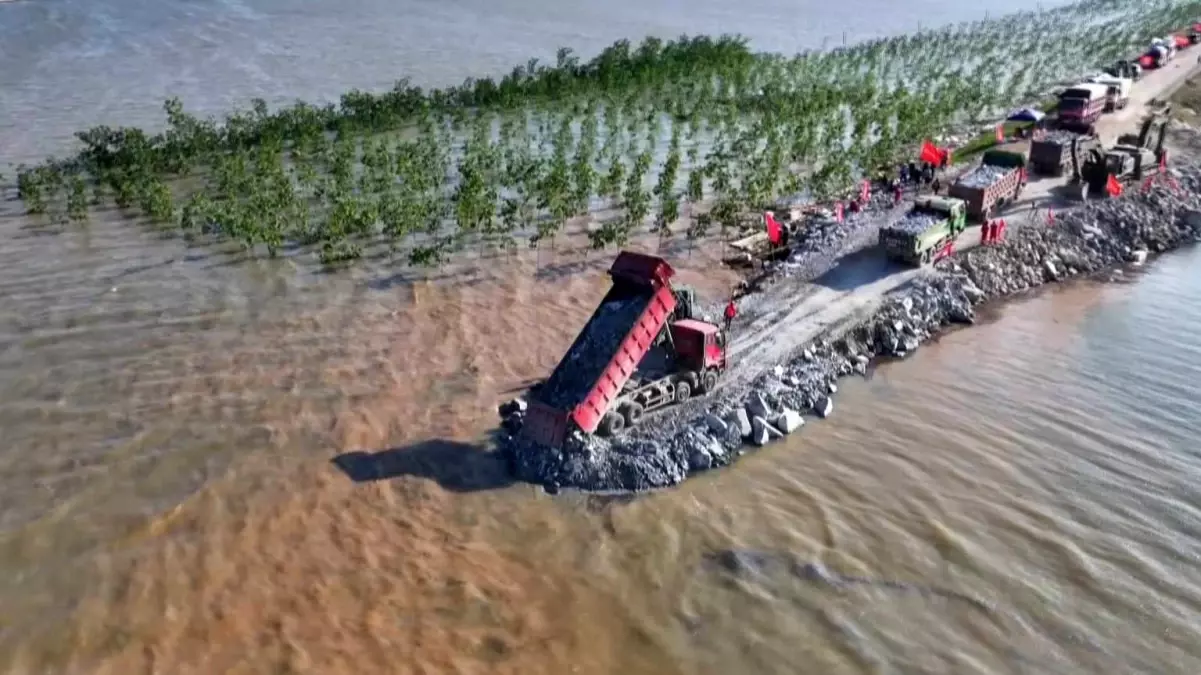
1087	240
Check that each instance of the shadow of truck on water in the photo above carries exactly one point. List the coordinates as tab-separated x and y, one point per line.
456	466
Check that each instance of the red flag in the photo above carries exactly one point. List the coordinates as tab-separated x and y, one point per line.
1000	133
773	228
865	191
1113	187
929	153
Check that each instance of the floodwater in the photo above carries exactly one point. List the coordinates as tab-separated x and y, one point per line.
1021	497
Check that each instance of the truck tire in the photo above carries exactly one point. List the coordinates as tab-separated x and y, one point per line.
632	413
708	382
611	424
683	392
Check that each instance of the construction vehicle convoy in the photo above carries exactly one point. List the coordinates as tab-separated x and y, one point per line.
643	349
926	229
1133	158
999	179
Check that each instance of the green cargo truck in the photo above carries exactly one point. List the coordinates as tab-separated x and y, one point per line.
920	233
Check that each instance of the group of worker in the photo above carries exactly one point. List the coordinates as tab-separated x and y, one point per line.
992	232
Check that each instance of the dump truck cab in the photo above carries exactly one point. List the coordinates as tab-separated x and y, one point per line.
699	345
916	238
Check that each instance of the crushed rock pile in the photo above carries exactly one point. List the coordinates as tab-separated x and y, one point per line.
818	245
1090	239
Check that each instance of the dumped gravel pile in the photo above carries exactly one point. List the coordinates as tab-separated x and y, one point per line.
821	242
1098	236
591	352
916	222
983	176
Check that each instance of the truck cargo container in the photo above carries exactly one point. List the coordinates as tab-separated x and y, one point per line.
1050	155
998	179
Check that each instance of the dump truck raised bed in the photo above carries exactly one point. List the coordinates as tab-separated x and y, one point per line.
998	179
641	350
918	236
1051	154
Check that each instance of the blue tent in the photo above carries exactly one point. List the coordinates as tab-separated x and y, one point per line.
1025	115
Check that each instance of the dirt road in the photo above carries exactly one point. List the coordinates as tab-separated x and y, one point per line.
796	313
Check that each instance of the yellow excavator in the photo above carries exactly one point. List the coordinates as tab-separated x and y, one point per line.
1132	159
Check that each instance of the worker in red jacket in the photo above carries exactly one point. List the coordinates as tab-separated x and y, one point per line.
731	312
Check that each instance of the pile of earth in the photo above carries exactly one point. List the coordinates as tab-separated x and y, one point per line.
1095	237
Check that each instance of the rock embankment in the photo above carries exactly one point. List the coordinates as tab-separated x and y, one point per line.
1094	237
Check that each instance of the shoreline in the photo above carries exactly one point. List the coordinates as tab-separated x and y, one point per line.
1093	239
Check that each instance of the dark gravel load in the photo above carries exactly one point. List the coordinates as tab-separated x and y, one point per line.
1096	237
983	176
592	350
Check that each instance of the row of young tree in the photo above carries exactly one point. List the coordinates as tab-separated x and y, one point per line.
629	136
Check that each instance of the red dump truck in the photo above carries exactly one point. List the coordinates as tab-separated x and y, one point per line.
641	351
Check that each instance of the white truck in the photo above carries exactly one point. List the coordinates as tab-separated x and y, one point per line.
1117	91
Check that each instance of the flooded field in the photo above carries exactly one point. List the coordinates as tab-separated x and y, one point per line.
1019	498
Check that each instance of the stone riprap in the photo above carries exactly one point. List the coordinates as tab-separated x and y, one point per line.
1095	237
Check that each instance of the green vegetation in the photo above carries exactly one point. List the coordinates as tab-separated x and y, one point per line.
632	135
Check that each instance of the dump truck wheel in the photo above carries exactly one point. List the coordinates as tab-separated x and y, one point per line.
708	382
611	424
632	412
683	392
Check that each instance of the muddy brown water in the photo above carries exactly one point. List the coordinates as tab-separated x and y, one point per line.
168	502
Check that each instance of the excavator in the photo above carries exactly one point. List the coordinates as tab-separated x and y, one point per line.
1132	159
